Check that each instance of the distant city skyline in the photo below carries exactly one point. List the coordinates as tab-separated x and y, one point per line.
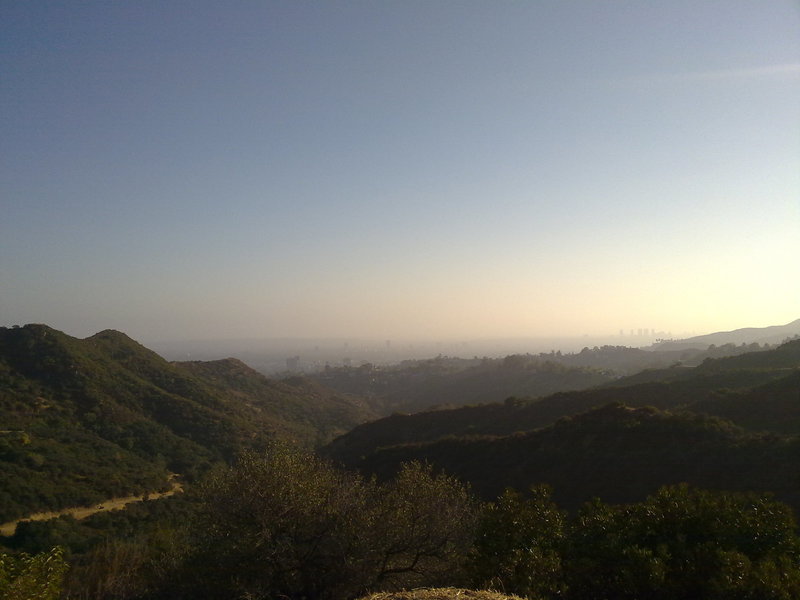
389	170
313	355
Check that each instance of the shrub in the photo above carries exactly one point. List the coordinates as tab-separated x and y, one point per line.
287	523
517	545
37	577
685	543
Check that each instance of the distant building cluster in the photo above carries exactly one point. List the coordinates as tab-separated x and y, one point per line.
645	333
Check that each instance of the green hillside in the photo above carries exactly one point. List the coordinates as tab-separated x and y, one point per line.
616	453
758	391
730	423
86	419
418	385
297	406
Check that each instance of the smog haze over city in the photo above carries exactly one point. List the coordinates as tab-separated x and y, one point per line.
404	172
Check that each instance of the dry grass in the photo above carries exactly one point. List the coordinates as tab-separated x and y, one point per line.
440	594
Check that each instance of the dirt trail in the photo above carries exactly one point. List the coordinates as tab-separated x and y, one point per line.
81	512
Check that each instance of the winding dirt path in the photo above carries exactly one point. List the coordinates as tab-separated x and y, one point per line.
81	512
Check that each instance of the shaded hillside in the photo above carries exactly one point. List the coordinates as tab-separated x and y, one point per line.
774	334
785	356
82	420
746	369
420	385
615	453
774	406
757	391
624	361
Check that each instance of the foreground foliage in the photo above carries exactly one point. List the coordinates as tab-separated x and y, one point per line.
26	577
287	524
681	543
518	544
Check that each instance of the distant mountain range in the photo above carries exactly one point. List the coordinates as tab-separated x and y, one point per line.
774	334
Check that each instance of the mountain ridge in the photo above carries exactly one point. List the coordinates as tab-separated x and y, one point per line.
754	398
614	452
86	419
772	334
674	388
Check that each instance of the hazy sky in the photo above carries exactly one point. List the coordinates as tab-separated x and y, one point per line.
445	169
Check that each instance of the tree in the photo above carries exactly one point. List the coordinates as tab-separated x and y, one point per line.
421	529
283	523
287	523
517	546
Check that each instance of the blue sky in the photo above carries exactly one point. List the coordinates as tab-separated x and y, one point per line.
184	170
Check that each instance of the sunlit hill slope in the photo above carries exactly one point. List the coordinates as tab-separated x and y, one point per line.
86	419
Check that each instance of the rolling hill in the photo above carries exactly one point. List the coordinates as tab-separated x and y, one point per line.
86	419
730	423
419	385
757	391
616	453
774	334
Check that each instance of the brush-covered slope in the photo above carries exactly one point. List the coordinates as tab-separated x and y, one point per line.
760	391
421	384
616	453
743	370
774	334
298	406
86	419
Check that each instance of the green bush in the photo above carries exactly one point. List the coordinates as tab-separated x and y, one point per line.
26	577
517	545
286	523
685	543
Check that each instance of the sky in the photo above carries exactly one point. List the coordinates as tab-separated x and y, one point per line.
399	169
